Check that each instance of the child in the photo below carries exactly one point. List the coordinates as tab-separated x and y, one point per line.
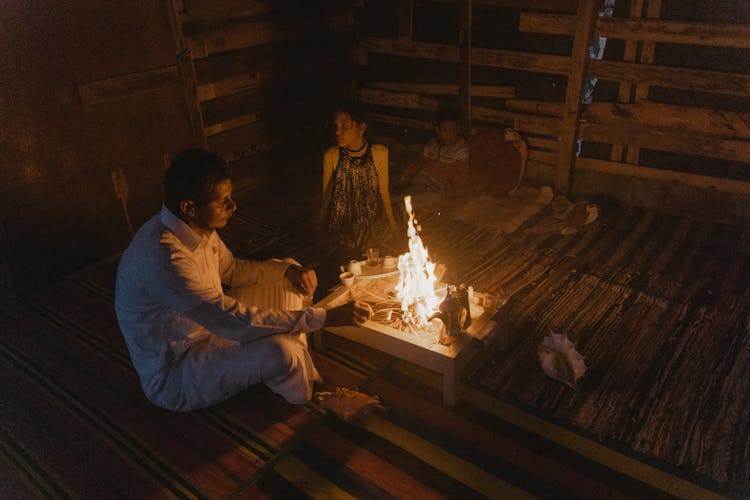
445	158
356	207
447	146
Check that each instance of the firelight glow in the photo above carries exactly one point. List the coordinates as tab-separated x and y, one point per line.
416	284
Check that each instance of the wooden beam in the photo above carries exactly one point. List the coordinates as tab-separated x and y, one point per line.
189	90
253	34
552	5
522	61
544	156
420	50
578	70
648	50
636	135
679	78
683	119
230	107
445	89
199	10
664	175
398	99
499	92
546	108
400	121
541	125
507	59
232	123
626	88
265	74
651	30
187	73
128	85
228	86
417	88
546	144
464	62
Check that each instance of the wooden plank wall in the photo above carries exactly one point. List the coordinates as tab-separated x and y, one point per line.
265	74
670	119
91	110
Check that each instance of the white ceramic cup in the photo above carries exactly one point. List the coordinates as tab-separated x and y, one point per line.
347	278
355	267
389	261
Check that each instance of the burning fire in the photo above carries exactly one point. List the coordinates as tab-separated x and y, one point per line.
416	284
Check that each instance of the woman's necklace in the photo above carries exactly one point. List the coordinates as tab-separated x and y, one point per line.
357	151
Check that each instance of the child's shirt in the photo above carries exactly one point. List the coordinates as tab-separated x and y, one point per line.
457	151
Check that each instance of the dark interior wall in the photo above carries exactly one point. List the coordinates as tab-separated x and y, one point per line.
268	75
88	89
97	97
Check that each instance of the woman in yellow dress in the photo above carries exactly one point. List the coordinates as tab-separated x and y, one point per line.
356	208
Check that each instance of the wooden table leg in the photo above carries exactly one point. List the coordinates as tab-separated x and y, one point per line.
450	395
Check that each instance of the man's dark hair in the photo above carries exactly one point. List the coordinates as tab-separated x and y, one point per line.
191	176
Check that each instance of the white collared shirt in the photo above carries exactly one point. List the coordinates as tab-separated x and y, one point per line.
169	294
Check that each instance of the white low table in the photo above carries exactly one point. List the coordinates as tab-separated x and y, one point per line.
449	361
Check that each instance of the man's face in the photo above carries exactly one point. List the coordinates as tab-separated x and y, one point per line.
216	212
446	132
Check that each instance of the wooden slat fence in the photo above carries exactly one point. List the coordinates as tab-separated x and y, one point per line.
626	123
263	72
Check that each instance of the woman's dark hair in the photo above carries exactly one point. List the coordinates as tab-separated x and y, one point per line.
191	176
356	110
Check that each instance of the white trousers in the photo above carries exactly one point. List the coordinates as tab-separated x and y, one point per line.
215	368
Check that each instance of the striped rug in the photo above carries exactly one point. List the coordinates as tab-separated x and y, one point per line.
658	306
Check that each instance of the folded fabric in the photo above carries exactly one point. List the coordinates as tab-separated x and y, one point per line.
347	404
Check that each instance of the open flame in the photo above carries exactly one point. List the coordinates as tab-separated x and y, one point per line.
416	284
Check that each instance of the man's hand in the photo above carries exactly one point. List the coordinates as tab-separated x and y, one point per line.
353	313
303	279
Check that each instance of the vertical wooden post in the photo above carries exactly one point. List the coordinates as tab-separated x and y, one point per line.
464	62
631	50
187	75
579	63
653	11
405	19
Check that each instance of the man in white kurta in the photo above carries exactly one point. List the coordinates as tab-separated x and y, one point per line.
193	345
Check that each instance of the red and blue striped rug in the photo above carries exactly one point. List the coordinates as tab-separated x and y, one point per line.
658	305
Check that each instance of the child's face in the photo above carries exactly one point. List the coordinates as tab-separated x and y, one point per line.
446	132
349	134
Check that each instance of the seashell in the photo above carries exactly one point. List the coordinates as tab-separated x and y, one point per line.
560	360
